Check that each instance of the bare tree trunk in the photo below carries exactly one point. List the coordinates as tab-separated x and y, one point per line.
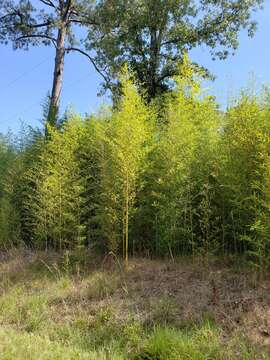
57	76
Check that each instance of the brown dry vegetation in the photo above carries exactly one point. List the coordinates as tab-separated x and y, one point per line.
93	290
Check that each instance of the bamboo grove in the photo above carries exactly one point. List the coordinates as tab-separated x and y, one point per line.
177	176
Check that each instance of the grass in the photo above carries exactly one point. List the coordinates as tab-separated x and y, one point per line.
23	311
196	344
101	285
51	311
21	346
162	311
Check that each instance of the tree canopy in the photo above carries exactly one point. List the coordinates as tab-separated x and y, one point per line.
152	35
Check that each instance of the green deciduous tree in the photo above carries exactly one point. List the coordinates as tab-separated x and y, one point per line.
152	35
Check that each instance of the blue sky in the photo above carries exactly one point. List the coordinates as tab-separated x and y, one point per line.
26	76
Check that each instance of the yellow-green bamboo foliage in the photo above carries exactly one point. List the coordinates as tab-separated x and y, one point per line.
91	157
185	166
185	178
125	148
245	178
56	203
8	214
18	188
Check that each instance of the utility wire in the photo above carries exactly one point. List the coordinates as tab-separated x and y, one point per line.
26	72
26	110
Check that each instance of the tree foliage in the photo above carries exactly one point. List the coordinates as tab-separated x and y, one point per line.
153	35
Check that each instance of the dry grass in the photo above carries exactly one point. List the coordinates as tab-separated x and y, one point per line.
40	293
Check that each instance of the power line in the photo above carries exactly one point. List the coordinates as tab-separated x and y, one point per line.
26	110
26	72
